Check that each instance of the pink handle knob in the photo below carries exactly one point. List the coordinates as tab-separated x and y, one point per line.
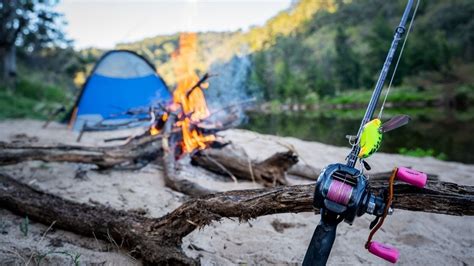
383	251
412	177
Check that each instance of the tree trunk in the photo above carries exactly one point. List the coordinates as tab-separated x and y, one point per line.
8	61
3	53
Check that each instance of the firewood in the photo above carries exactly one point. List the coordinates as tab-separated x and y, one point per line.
158	240
171	175
137	151
269	172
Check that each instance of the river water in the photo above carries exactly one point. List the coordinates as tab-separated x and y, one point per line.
446	134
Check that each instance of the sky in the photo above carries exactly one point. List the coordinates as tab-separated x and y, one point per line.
104	23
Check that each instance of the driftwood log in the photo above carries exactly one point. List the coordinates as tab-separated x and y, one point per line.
137	151
144	149
158	240
269	172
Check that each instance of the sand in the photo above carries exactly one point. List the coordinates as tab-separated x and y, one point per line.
422	238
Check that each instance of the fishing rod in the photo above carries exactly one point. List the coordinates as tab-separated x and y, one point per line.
399	32
342	191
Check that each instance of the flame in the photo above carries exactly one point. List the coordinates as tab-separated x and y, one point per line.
154	131
191	100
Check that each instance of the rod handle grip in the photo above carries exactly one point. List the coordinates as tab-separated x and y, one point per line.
412	177
383	251
320	245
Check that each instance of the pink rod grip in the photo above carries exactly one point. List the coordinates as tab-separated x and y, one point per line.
383	251
412	177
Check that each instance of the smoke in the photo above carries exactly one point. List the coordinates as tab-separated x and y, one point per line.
228	91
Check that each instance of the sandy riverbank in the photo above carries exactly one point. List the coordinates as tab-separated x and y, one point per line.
422	238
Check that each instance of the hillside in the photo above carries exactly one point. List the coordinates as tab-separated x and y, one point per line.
316	49
222	46
315	52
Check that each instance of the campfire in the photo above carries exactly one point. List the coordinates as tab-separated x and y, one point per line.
189	104
194	125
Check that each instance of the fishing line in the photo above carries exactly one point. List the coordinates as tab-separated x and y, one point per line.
398	60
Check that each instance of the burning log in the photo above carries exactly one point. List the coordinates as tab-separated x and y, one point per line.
158	240
172	179
199	83
270	172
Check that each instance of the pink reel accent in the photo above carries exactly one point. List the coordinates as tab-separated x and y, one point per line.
412	177
385	252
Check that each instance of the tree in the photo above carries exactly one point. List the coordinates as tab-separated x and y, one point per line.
31	24
378	40
346	62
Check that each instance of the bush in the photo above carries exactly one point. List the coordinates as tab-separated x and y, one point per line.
31	100
419	152
397	95
40	92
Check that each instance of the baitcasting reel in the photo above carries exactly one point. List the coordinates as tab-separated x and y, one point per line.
343	190
342	194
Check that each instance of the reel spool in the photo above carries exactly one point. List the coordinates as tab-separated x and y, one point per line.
343	190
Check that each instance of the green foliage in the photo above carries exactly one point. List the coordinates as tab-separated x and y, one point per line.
464	95
40	92
328	47
419	152
346	64
344	50
34	24
32	100
400	95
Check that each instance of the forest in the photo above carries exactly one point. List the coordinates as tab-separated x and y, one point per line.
314	52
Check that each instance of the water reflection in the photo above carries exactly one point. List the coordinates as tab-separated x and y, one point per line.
444	132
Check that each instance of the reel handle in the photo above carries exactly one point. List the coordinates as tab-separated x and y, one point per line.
412	177
383	251
407	175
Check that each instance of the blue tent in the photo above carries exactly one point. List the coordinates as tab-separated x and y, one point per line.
120	80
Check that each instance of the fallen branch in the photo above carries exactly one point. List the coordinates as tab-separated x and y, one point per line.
138	151
158	241
270	172
53	115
